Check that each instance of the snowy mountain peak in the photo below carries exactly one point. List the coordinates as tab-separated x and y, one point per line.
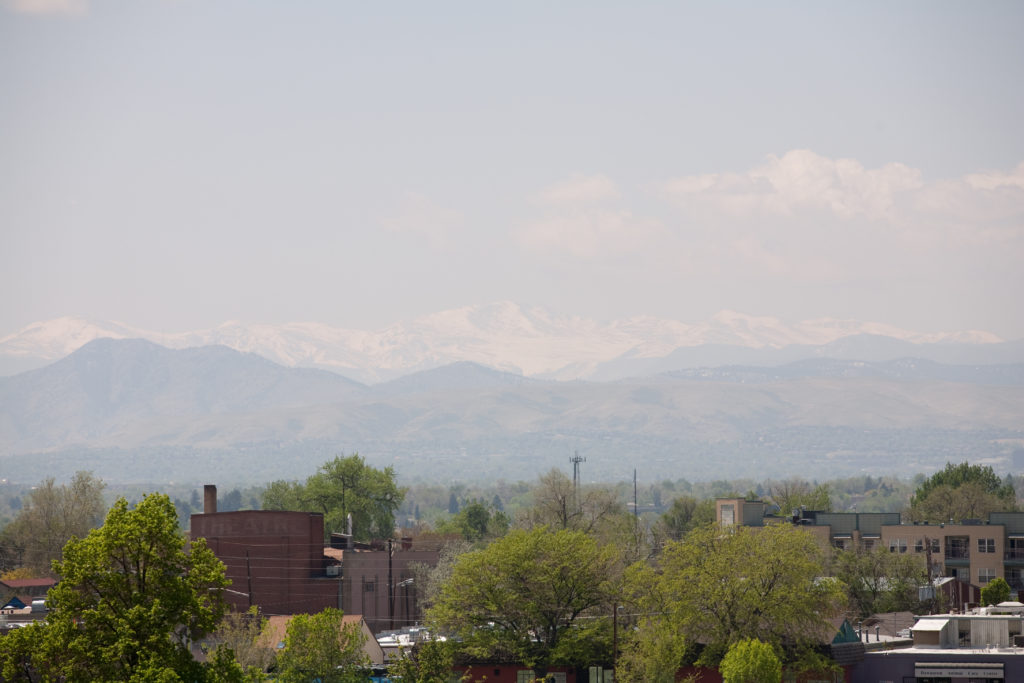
502	335
58	337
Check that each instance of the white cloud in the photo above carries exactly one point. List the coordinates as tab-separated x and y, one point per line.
893	202
799	180
65	7
592	235
798	229
580	189
996	180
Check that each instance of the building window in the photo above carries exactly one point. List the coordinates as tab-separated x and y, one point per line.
986	545
986	574
868	544
526	676
918	546
897	545
369	586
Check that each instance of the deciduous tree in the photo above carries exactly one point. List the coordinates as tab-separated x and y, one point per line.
52	515
131	599
880	581
650	653
559	505
685	514
792	494
476	522
719	586
945	503
429	662
430	579
995	592
523	596
751	661
960	492
240	632
322	647
341	487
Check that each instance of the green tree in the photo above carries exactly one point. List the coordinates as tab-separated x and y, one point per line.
558	504
685	514
651	653
430	579
995	592
792	494
51	516
880	581
719	586
968	501
131	598
960	492
232	501
751	661
240	632
428	662
283	495
522	596
322	647
476	522
341	487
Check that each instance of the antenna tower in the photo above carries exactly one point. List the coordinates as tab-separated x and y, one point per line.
576	460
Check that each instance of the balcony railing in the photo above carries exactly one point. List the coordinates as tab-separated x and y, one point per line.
1014	554
958	554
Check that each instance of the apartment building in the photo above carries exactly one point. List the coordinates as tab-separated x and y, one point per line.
975	551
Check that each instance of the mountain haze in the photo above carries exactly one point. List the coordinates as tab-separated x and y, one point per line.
530	341
108	388
134	411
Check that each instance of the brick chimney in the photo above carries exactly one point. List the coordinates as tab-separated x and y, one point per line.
209	499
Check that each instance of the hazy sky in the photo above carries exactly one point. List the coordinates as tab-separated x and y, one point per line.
173	164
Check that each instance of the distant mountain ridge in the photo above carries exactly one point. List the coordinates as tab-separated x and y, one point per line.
110	387
530	341
135	411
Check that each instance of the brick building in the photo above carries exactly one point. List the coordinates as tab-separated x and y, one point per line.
275	559
378	583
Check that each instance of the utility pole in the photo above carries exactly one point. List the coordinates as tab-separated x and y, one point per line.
248	572
615	634
391	591
636	509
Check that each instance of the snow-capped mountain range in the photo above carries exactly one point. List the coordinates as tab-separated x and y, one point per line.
502	335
